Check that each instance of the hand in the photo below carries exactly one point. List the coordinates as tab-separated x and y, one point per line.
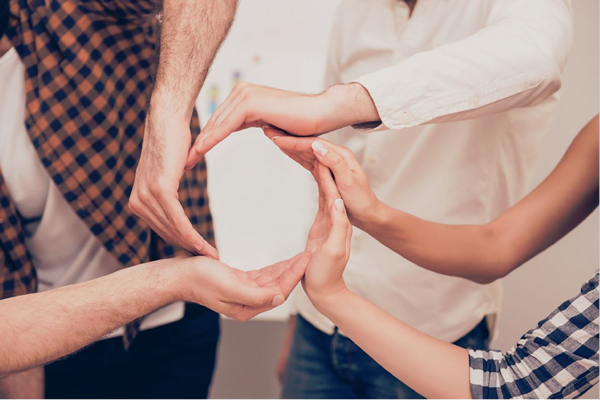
351	181
238	294
154	197
298	114
329	240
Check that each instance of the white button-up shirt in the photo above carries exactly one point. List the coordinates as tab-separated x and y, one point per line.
466	91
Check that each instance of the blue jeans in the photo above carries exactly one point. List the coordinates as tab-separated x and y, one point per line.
171	361
332	366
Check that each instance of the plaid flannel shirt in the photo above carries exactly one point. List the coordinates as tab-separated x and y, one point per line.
558	359
88	76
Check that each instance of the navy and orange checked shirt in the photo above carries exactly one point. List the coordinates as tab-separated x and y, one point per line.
88	75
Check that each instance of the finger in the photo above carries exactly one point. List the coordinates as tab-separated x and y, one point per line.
292	276
207	139
234	122
195	153
273	272
306	159
332	159
257	296
294	144
338	236
186	233
246	313
231	97
327	185
152	214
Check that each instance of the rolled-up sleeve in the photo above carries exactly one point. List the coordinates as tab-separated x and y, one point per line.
558	359
516	60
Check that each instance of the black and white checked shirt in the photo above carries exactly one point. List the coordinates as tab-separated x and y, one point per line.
558	359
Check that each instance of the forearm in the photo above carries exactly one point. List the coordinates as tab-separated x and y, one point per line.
192	31
515	60
483	253
468	251
41	327
430	366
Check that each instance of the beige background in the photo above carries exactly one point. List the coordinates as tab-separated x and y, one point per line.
248	352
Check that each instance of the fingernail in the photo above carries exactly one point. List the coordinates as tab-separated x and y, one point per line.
319	148
278	300
275	138
339	205
200	145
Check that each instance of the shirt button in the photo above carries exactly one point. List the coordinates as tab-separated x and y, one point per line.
476	100
407	118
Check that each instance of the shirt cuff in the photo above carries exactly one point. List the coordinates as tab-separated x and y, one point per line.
415	106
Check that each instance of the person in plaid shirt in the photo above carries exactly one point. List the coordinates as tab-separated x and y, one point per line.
76	77
557	359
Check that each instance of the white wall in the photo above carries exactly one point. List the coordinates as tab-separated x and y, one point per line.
293	35
262	202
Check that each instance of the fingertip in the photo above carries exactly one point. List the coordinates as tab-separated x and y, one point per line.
319	148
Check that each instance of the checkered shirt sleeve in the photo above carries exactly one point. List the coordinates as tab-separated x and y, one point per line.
558	359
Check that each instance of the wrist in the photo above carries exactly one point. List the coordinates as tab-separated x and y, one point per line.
347	104
165	104
173	279
327	302
373	216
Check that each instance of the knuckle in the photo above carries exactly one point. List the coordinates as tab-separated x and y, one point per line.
134	204
143	196
346	151
156	189
335	158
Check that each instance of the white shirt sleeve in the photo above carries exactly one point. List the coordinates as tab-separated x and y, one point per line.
516	60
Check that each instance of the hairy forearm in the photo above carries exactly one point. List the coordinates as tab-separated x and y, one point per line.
468	251
432	367
41	327
192	31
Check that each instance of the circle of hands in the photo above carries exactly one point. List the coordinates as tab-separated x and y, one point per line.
291	121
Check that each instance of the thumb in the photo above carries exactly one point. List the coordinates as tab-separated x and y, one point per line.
340	228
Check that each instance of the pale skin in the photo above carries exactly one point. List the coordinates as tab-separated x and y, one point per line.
39	328
481	253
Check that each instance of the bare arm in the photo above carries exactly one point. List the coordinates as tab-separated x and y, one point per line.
484	253
41	327
481	253
192	32
430	366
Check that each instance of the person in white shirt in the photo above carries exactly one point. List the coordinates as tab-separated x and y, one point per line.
458	96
